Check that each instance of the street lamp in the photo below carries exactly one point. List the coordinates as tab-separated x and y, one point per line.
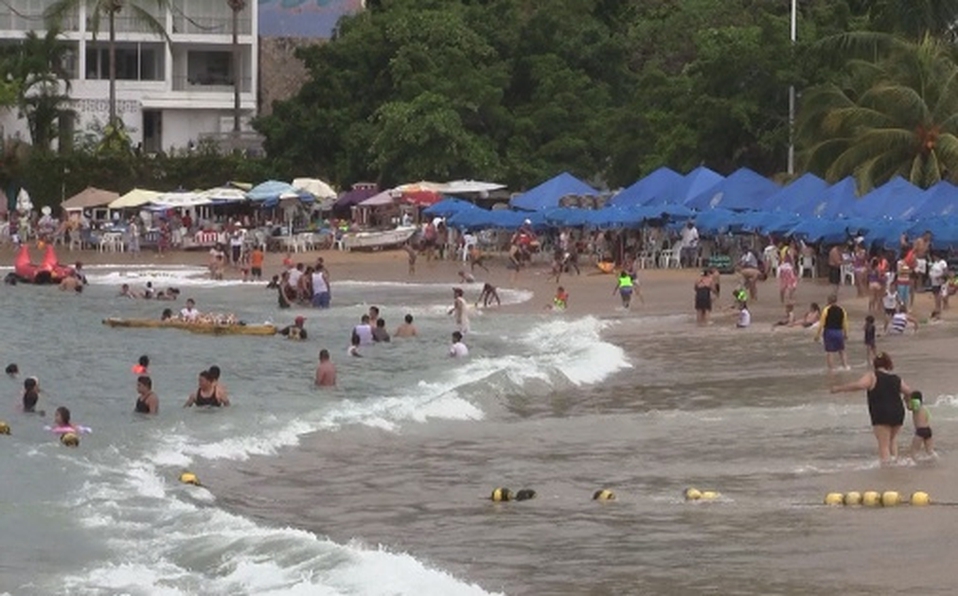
791	99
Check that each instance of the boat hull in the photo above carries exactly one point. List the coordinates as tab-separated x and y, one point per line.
374	240
204	328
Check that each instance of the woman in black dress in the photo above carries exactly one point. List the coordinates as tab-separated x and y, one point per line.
886	404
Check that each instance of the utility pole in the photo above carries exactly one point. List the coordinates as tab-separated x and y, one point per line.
791	99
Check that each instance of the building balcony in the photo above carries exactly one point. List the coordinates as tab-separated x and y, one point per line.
211	83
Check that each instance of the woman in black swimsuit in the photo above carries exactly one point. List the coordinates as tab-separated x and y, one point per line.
886	406
206	394
146	400
703	297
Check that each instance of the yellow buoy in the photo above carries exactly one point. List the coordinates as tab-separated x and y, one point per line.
853	498
692	494
189	478
501	494
834	499
4	428
871	498
70	439
890	498
710	495
603	495
920	498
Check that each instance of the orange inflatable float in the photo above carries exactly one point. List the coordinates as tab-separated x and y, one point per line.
49	271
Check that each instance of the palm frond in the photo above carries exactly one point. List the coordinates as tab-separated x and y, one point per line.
946	151
152	23
57	13
897	103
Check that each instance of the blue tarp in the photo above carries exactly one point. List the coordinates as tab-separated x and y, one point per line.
884	201
717	221
547	194
743	190
647	189
836	201
606	218
768	222
448	207
806	189
696	181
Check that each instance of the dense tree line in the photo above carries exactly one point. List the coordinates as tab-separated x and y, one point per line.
517	90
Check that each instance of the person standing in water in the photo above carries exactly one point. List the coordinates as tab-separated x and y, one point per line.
704	289
624	286
146	401
206	393
459	308
833	330
325	371
488	294
406	329
886	394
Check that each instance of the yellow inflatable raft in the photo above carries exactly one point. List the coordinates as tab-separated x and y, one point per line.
208	328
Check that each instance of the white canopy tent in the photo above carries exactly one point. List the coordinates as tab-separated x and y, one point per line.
315	187
135	198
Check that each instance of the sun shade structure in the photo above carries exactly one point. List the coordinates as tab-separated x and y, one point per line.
135	198
89	198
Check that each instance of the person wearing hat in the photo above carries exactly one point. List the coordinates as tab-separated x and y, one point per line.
294	331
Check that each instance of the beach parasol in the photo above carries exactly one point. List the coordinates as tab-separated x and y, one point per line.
315	187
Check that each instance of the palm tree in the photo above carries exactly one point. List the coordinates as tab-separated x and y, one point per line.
916	18
894	115
42	82
236	6
60	10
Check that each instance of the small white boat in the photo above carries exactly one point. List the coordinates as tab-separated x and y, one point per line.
379	239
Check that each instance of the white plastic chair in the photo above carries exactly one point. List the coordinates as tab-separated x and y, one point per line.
848	274
806	263
669	259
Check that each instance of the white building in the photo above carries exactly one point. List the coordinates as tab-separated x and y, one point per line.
168	94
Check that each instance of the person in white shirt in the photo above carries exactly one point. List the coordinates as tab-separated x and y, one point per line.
189	312
458	349
690	244
744	317
936	275
364	331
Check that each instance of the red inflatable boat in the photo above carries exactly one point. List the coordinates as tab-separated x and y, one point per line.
50	271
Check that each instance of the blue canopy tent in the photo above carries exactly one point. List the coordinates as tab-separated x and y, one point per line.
941	200
743	190
483	219
646	189
829	230
884	201
768	222
448	207
717	221
836	201
806	188
693	183
547	194
886	233
944	232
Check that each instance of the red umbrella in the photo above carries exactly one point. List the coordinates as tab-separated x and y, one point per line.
422	198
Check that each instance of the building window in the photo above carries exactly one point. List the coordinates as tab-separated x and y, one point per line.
134	62
210	68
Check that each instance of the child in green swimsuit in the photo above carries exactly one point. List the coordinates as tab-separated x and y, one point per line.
922	420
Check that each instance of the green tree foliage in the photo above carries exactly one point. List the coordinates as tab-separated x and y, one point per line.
519	90
895	115
40	83
915	18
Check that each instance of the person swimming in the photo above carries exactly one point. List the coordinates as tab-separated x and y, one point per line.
31	395
142	366
12	370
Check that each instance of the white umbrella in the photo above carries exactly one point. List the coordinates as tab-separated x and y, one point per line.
24	204
224	194
179	200
468	187
315	187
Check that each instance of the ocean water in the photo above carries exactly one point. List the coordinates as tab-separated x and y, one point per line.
381	485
